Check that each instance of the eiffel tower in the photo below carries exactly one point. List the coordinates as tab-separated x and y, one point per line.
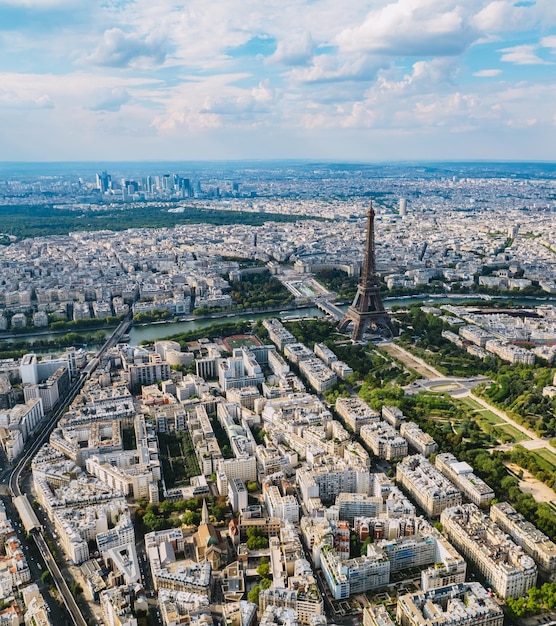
367	308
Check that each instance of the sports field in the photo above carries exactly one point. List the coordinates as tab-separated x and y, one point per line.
238	341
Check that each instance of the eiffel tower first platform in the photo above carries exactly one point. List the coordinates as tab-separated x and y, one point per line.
367	309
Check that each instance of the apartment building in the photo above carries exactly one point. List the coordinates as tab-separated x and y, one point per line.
428	487
420	441
278	334
384	440
461	474
318	375
282	507
464	604
356	412
535	543
393	415
503	563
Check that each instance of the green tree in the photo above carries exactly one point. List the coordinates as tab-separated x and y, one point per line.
76	589
191	518
167	507
151	521
264	569
253	595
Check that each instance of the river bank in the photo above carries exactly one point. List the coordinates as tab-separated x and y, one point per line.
150	331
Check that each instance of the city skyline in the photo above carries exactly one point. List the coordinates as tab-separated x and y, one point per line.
371	81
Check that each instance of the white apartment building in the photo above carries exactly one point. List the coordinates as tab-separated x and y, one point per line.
117	607
535	543
509	570
352	505
347	577
130	472
356	412
298	352
318	375
465	604
475	334
282	507
432	492
461	474
305	601
244	468
237	494
393	415
270	460
384	440
240	370
153	371
278	334
331	477
508	352
420	441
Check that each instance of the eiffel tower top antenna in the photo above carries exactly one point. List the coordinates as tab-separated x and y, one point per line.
367	308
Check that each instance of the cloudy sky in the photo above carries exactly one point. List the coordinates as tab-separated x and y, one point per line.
351	80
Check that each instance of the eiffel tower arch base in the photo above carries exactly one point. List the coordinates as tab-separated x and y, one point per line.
363	321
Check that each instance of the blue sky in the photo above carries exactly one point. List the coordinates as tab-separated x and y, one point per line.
367	80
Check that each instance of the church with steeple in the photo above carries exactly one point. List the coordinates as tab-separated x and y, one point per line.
208	543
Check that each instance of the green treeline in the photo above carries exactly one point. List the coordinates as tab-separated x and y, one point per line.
16	349
518	392
169	514
92	322
26	221
337	280
211	332
256	291
155	315
537	599
531	461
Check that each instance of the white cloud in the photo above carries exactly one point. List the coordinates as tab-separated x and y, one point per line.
110	100
487	73
505	16
549	42
411	27
336	68
295	50
525	54
119	49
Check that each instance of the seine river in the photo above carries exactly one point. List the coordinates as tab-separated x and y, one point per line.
151	332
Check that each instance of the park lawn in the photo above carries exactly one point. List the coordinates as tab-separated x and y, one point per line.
514	433
473	404
483	415
490	417
548	456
